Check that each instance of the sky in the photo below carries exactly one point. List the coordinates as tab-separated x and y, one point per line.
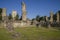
33	7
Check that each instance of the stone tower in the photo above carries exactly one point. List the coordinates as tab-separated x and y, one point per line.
3	13
51	16
23	11
14	13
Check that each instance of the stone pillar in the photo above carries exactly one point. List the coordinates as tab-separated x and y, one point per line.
3	13
23	11
46	18
57	17
51	17
14	13
4	17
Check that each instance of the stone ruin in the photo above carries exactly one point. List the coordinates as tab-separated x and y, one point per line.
15	23
8	24
11	24
25	22
48	22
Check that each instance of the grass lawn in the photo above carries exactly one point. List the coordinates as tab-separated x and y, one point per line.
31	33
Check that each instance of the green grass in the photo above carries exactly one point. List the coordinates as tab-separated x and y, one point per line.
31	33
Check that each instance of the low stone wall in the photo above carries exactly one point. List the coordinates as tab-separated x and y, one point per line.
22	24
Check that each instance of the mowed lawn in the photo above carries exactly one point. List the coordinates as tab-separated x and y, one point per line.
31	33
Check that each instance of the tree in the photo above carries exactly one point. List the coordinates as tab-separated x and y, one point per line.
55	17
38	18
10	16
45	18
0	13
59	14
49	18
17	17
21	18
42	18
32	21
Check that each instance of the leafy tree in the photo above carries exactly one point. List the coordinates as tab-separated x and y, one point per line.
21	18
17	17
55	17
0	13
32	21
38	18
48	18
10	16
42	18
59	14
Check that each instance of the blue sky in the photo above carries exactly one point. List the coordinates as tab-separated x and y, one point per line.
33	7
